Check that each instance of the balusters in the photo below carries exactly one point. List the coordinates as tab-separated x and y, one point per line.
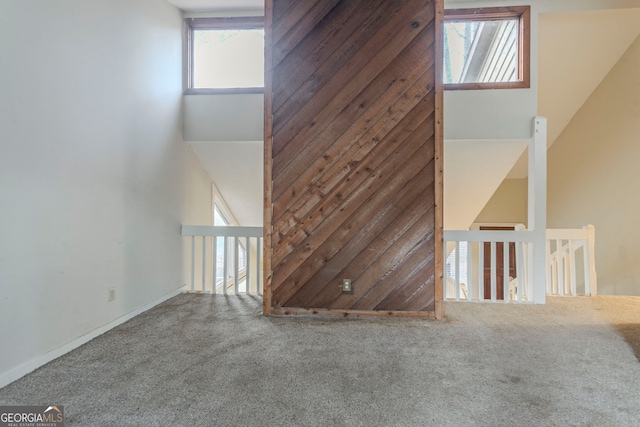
233	240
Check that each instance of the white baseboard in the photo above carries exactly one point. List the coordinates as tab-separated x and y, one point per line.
30	366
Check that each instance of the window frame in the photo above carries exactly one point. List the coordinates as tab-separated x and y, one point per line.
221	214
523	14
193	24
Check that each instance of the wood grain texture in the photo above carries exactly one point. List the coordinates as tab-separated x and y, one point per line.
269	14
439	161
353	157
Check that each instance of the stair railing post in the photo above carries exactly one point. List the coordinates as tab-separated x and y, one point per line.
537	215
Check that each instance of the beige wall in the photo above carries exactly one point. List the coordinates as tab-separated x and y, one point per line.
509	117
507	205
594	172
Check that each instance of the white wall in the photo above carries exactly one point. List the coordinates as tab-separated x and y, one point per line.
95	179
593	175
466	112
230	117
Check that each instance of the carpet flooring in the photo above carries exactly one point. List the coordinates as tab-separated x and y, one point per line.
202	360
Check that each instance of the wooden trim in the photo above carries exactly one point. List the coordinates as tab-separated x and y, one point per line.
268	158
286	311
484	13
525	47
523	13
439	165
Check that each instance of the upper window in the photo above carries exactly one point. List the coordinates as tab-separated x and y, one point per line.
225	55
486	48
218	217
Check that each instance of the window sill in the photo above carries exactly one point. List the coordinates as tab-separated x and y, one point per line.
482	86
225	91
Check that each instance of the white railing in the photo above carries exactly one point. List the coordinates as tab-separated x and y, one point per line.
469	278
476	259
564	275
225	259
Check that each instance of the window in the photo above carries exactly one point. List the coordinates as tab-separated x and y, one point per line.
225	55
219	220
218	217
486	48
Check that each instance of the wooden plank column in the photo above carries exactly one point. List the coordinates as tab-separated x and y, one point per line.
353	158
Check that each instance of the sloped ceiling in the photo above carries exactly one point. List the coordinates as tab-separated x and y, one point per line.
576	51
468	183
236	167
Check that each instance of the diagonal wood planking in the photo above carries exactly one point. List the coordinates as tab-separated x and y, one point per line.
352	155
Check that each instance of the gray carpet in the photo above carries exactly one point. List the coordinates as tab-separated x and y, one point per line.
201	360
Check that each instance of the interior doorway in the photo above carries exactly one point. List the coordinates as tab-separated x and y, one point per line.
499	272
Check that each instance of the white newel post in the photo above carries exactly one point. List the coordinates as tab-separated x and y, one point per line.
537	215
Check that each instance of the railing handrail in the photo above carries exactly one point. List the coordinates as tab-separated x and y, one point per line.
567	234
521	236
220	231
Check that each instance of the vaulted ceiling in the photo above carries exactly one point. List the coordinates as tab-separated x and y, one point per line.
576	50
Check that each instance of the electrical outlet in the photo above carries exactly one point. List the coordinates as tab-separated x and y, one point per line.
346	285
112	295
